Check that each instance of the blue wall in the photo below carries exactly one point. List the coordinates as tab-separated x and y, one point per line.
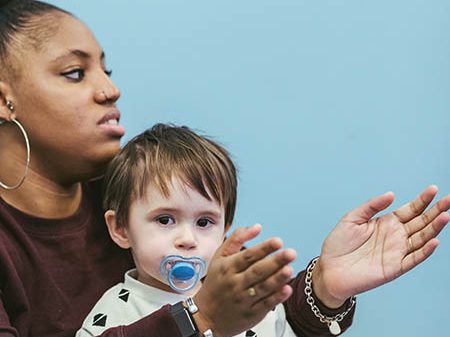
323	104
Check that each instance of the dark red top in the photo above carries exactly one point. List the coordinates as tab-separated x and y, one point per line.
52	272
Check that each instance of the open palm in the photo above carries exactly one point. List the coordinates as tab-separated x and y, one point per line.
363	252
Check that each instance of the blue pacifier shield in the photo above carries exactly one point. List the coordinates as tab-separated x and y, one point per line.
182	273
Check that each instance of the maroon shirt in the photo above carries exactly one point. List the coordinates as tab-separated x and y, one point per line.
52	272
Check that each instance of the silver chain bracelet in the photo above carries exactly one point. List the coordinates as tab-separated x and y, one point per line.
333	321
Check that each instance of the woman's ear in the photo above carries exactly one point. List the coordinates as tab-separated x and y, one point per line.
6	103
118	233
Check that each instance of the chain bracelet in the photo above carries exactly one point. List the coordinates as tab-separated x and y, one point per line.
329	320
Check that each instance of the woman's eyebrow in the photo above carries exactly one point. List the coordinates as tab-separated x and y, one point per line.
77	53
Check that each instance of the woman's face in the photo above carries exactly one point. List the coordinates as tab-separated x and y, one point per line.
60	99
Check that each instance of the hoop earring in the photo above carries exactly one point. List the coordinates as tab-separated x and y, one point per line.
27	143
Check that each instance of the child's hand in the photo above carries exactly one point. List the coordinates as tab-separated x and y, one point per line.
226	305
362	252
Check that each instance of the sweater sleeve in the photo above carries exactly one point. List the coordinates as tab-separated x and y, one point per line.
6	329
302	319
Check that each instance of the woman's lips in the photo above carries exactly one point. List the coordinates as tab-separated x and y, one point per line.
110	123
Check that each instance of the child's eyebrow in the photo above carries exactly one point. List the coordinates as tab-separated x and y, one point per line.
214	214
163	210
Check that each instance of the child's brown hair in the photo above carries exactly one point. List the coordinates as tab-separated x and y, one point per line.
162	153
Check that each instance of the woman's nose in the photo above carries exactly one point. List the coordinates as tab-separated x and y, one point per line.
108	93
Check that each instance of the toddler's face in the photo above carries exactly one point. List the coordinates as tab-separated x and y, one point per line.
185	223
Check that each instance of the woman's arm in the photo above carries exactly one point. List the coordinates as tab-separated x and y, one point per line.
302	319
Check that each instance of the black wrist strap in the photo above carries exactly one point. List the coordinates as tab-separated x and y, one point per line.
184	321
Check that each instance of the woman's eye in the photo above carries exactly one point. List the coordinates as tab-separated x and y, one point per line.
74	75
204	222
165	220
108	72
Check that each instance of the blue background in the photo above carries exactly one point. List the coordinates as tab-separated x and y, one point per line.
323	104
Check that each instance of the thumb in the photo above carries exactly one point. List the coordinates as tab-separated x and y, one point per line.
366	211
237	239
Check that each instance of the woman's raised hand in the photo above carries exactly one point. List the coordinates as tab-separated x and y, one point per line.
363	252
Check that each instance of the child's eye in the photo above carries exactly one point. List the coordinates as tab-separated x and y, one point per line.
165	220
75	75
204	222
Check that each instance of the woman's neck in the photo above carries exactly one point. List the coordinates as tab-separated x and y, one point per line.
41	197
43	193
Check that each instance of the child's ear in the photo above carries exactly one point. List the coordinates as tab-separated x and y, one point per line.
118	233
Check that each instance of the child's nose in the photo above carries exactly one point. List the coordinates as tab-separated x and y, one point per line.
186	239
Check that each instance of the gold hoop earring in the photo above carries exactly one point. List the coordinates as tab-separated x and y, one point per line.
27	144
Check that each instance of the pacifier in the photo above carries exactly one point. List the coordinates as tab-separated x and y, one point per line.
182	273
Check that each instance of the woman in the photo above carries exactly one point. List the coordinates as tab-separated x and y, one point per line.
55	256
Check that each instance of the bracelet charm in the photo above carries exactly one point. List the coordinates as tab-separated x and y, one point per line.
334	327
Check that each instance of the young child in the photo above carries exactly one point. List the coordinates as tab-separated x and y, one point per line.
170	198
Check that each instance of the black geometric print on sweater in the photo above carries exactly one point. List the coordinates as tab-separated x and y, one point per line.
123	295
99	320
250	333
